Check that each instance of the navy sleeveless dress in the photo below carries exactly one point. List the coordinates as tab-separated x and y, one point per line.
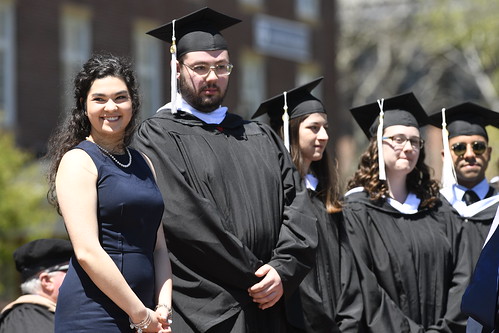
129	213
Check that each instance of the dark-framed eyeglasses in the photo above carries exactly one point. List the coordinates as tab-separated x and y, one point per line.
478	147
400	140
204	70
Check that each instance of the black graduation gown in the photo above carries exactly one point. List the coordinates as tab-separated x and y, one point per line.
476	226
233	202
410	266
329	298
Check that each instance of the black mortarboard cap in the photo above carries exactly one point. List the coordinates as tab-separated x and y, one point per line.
299	100
466	119
41	254
197	31
403	109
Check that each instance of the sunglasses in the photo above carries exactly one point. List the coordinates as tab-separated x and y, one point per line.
478	147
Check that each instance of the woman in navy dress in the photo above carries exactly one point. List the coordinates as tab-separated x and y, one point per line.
112	209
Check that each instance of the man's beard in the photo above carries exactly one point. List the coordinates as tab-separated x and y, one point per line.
203	104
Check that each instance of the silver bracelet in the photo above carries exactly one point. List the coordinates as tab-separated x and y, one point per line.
143	324
169	316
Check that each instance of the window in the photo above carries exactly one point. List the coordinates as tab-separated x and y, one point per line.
7	64
307	10
282	38
251	3
149	61
252	85
307	73
75	36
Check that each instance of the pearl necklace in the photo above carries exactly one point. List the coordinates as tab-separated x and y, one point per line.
115	159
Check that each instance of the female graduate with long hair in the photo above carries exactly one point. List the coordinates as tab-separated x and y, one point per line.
328	299
406	245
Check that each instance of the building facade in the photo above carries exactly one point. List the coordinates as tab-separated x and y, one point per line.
279	45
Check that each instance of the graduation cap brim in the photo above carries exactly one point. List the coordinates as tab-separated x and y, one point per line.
403	109
300	101
466	119
197	31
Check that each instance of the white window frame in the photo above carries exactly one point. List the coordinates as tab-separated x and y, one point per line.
308	10
149	62
252	3
282	38
7	65
307	73
76	46
252	82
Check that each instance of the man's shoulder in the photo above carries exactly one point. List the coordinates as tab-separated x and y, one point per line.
27	311
164	120
445	202
23	317
23	307
160	115
256	127
183	123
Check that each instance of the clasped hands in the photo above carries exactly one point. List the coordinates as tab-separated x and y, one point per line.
160	321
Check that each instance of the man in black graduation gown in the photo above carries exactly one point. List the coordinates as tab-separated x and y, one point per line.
468	191
470	195
236	217
43	264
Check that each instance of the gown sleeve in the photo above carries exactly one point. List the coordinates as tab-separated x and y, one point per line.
350	306
462	258
294	254
330	299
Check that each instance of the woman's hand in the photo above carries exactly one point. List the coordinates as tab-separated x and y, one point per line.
165	317
159	322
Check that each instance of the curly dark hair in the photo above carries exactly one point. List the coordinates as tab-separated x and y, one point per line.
418	180
325	169
75	126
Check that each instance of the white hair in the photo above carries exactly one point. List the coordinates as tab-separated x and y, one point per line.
33	286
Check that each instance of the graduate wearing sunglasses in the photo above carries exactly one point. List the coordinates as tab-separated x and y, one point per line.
466	156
